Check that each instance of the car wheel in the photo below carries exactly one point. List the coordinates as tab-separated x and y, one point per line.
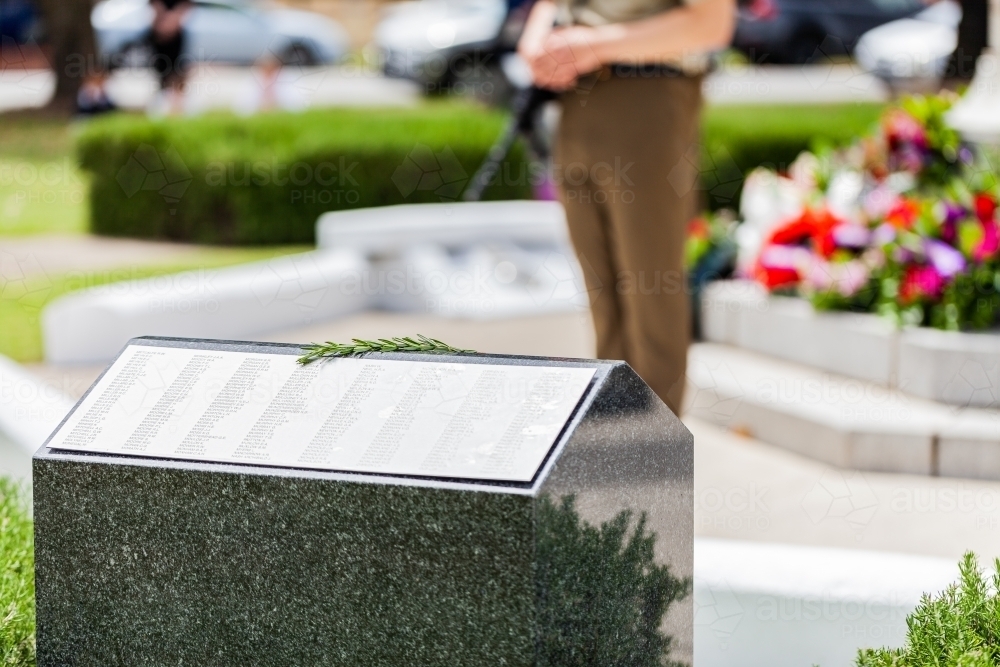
804	47
300	55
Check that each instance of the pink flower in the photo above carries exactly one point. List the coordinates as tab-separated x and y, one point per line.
783	256
989	244
902	128
879	202
920	283
847	278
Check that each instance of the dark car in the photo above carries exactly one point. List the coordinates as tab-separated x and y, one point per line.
18	21
803	31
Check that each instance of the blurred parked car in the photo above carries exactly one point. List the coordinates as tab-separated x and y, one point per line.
802	31
912	54
445	44
223	31
19	21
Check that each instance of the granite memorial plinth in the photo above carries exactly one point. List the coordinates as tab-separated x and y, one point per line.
216	503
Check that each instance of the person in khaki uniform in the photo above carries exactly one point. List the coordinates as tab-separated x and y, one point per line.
630	72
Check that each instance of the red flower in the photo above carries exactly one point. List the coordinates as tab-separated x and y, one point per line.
698	228
794	232
903	214
986	207
773	278
814	226
824	243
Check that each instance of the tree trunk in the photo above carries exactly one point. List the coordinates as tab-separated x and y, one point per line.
73	48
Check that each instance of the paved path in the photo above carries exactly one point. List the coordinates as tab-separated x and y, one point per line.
793	84
215	86
47	255
749	490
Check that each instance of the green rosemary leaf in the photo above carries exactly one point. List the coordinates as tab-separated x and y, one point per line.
314	351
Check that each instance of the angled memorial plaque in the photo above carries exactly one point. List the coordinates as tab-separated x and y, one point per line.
218	503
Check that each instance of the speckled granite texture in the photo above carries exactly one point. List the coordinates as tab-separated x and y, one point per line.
156	562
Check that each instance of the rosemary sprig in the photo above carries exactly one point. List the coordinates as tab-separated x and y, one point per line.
315	351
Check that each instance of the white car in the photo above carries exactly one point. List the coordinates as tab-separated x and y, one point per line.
443	44
912	52
223	31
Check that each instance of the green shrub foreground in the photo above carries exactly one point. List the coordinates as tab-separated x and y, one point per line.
265	179
958	628
17	579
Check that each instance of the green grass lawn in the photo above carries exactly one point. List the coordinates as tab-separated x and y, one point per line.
17	580
39	196
43	192
41	188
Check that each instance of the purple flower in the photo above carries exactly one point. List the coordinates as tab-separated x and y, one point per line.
953	212
910	158
949	213
884	234
945	259
851	236
901	255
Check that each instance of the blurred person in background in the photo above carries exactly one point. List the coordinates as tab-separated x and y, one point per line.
166	39
973	37
626	160
92	98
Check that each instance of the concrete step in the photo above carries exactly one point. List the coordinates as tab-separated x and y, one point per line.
840	420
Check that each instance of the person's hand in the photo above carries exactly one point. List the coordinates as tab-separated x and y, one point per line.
564	56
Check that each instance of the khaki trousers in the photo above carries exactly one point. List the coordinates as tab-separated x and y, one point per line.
625	161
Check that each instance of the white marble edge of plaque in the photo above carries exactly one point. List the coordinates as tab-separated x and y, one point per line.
475	421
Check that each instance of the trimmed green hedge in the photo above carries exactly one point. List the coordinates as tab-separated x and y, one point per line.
265	179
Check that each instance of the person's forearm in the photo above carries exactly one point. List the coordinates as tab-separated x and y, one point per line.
537	27
692	29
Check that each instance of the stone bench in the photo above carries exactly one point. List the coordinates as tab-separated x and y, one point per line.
93	324
481	260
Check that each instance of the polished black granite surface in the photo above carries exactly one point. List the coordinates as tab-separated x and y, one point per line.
156	562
